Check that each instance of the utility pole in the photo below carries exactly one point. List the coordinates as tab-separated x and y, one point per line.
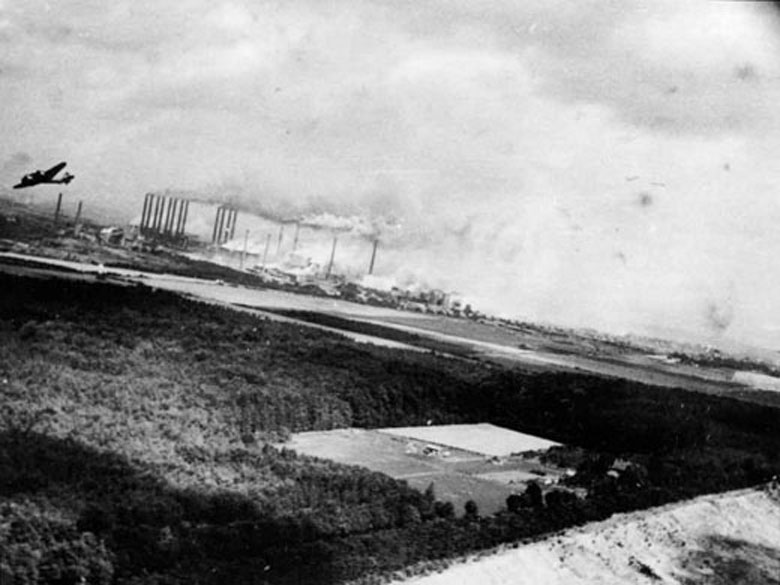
295	239
279	240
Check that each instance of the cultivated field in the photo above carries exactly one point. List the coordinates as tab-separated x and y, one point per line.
483	438
458	474
365	448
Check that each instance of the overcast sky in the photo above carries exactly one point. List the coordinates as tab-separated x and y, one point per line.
608	163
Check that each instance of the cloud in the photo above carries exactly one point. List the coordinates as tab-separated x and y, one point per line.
670	66
18	161
494	137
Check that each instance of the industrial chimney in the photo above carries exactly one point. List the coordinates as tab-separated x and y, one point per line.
373	257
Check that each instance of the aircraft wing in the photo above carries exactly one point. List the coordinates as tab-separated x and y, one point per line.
52	172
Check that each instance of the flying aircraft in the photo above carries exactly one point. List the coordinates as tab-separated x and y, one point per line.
39	177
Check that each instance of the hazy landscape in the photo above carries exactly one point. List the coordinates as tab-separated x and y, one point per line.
354	293
145	438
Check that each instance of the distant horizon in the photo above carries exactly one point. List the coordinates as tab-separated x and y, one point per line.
603	164
764	346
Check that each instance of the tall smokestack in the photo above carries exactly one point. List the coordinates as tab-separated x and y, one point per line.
163	210
224	226
141	225
295	238
332	256
182	211
167	220
373	257
159	213
177	221
216	226
267	245
175	216
174	210
183	224
233	224
57	211
161	219
149	210
168	213
279	239
229	224
156	216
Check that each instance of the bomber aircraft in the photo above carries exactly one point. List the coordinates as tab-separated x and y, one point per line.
39	177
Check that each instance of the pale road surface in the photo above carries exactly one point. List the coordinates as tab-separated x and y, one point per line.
259	299
205	290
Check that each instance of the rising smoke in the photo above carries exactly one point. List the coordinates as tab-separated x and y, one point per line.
607	164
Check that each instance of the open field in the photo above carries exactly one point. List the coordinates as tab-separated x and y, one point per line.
459	488
514	476
458	475
365	448
482	438
733	538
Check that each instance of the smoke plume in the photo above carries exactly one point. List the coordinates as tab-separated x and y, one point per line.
607	164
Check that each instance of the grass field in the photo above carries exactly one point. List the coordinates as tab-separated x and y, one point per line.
369	449
483	438
458	475
459	488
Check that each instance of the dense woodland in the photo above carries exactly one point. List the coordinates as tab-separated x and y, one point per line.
136	430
